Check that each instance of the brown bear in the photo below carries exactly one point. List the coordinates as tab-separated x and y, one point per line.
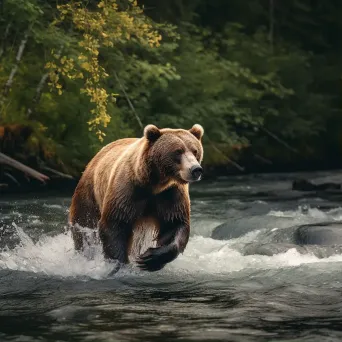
135	192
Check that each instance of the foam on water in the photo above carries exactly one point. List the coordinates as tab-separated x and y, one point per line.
302	212
56	256
213	256
53	206
53	256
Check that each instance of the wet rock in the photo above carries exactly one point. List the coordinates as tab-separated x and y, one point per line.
229	230
325	233
270	249
238	227
305	185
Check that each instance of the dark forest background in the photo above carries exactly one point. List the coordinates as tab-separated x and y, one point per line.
263	77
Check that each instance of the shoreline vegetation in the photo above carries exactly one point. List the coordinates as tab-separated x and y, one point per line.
17	178
264	80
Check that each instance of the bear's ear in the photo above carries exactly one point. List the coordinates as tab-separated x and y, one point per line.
197	130
152	133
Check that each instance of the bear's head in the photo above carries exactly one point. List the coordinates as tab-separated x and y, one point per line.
175	154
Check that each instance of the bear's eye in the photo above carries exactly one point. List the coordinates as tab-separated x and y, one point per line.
194	152
179	151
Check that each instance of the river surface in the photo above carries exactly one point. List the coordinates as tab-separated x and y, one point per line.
215	291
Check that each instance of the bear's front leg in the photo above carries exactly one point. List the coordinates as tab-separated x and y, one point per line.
176	238
115	235
116	223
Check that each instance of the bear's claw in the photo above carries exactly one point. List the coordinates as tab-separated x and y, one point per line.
154	259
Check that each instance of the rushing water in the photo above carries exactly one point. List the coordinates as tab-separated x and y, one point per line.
215	291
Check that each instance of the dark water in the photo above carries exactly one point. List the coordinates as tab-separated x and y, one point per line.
214	292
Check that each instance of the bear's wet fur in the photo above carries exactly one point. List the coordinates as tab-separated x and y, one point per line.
135	192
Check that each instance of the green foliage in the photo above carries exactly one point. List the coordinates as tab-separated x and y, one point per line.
213	63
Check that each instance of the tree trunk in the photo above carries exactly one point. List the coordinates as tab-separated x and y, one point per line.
39	88
2	48
271	32
21	49
129	101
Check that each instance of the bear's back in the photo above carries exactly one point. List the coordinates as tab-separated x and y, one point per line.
104	164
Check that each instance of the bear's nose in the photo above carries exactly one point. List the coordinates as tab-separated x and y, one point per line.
196	172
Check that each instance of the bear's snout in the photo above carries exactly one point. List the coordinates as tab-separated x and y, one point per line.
190	170
196	172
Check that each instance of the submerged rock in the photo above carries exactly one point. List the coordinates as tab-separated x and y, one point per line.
305	185
238	227
320	233
320	239
325	233
270	249
232	230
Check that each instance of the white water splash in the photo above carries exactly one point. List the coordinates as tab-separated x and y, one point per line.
305	214
301	212
206	255
53	206
53	256
56	256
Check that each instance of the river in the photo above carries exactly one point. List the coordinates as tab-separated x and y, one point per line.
218	290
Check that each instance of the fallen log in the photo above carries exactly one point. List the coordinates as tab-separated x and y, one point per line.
280	141
19	166
12	178
58	173
239	167
261	158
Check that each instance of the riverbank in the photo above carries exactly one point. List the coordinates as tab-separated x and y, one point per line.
60	184
35	187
